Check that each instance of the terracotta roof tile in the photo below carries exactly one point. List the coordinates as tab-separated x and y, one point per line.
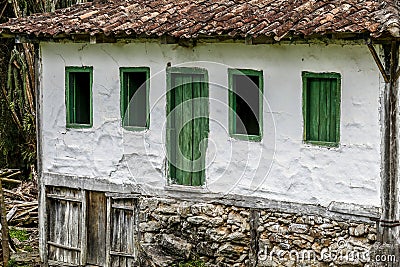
191	18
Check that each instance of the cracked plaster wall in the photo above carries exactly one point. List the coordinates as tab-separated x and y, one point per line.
279	167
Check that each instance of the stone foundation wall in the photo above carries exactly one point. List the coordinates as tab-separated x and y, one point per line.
173	231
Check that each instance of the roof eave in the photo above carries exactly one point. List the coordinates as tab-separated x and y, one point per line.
392	33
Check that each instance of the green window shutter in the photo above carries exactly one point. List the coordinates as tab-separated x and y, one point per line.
135	86
78	92
321	108
245	104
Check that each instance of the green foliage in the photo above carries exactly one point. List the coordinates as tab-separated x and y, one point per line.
17	88
13	263
17	112
28	248
10	137
21	235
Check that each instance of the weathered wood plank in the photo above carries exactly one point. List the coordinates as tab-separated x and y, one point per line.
205	128
122	195
74	229
131	227
170	140
197	132
314	109
121	207
177	111
115	261
200	129
186	133
323	115
66	233
108	231
124	236
96	236
66	198
333	114
60	225
122	254
329	108
116	243
54	244
83	223
57	229
51	219
56	263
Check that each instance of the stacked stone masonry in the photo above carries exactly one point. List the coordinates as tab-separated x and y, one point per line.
174	231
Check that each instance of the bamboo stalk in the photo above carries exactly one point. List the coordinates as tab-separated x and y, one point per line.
13	113
4	9
31	72
7	180
26	204
12	174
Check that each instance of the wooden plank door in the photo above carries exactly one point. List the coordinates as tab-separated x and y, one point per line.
188	125
96	228
122	232
65	216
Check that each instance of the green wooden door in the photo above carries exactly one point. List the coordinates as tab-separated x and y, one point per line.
188	127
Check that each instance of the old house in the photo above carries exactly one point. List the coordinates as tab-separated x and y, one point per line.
236	133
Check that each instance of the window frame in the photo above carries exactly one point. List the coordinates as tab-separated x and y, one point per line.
232	103
321	75
73	69
123	96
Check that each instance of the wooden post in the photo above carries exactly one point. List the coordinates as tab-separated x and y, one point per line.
390	145
4	228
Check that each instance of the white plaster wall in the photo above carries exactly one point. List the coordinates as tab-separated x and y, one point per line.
279	167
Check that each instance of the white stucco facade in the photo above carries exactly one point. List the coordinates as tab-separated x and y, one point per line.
280	167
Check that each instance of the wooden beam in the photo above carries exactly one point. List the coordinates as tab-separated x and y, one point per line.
390	146
397	75
42	208
121	207
378	62
92	39
163	39
66	198
54	244
25	39
248	40
61	264
122	254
